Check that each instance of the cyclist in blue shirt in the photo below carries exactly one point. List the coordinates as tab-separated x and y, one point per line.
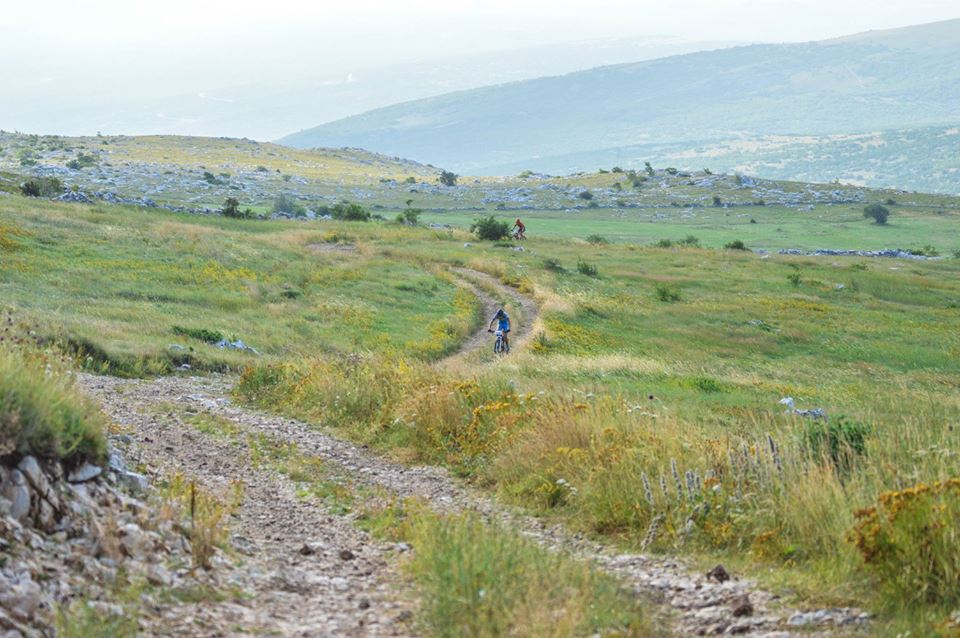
503	323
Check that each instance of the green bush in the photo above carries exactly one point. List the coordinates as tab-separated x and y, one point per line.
409	216
690	241
201	334
288	205
878	212
598	240
41	413
42	187
82	161
349	211
231	208
839	439
585	195
736	244
553	265
795	277
585	268
667	293
717	201
927	251
490	228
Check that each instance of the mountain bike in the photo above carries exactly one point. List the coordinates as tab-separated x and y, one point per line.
500	344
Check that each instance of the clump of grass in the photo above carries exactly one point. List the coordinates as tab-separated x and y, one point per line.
553	265
41	412
667	293
80	619
204	514
201	334
487	580
586	268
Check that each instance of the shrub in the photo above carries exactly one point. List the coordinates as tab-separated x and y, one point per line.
598	240
409	216
585	195
840	440
927	251
690	241
795	276
448	178
878	212
647	167
717	201
262	169
286	177
671	170
490	228
42	187
663	243
287	205
41	412
410	180
201	334
231	208
616	169
667	293
525	174
736	244
908	539
210	178
890	201
585	268
553	265
82	161
349	211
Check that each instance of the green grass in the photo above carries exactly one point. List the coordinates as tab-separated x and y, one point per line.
129	290
660	356
485	579
41	413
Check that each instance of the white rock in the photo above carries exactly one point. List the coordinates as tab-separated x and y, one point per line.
84	473
16	491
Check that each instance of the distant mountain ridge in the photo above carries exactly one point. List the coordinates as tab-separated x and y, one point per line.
894	79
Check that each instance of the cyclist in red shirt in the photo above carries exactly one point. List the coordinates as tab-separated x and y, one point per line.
519	230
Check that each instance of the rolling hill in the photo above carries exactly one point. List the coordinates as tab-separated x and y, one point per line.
897	79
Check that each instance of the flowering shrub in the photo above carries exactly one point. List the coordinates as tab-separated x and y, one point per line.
909	539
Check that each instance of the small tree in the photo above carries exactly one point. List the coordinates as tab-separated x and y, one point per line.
409	215
490	228
585	195
231	208
288	206
42	187
717	201
647	167
448	178
878	212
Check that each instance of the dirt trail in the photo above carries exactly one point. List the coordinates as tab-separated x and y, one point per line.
344	585
522	309
322	594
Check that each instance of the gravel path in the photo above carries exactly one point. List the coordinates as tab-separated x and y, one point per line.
343	584
322	594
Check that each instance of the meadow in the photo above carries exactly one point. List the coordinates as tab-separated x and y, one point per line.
646	407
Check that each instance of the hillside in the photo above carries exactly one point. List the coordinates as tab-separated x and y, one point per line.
898	79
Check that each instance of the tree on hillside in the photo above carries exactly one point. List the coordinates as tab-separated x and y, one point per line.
231	208
647	167
878	212
448	178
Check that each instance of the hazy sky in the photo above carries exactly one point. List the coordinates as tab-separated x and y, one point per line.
55	51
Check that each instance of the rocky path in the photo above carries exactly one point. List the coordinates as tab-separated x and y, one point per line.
306	571
323	594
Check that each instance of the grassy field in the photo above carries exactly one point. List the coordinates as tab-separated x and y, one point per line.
140	292
646	407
